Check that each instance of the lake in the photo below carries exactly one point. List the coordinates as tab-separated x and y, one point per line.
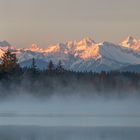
69	119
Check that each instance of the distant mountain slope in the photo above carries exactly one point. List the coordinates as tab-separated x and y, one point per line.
131	68
39	63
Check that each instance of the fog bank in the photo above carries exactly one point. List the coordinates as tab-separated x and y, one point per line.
70	111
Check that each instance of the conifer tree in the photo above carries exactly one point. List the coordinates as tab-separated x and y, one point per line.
33	66
50	67
9	62
60	67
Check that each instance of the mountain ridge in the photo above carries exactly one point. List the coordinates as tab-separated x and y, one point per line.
83	55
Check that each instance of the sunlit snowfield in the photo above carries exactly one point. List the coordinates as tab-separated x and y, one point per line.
25	118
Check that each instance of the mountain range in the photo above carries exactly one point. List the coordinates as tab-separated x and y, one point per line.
83	55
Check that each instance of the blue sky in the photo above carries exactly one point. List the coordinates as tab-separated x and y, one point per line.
44	22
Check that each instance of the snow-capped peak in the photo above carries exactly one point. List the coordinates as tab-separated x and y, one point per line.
131	43
4	44
130	39
86	42
34	48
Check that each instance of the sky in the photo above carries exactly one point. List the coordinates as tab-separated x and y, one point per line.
23	22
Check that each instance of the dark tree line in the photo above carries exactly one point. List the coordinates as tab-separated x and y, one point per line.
56	80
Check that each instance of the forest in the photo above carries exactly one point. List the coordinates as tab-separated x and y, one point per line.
56	80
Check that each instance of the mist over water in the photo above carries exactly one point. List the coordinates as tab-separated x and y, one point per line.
69	118
70	111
